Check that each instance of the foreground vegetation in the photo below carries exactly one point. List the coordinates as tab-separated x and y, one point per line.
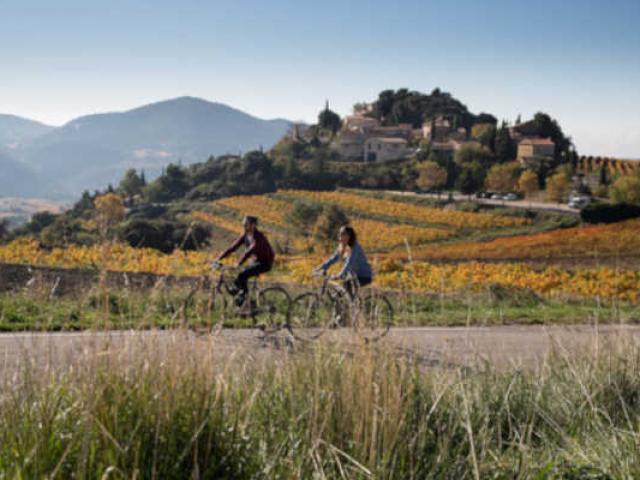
175	412
100	308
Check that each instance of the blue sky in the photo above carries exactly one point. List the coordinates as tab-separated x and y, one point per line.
578	60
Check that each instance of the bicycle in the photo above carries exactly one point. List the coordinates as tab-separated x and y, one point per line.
268	308
332	306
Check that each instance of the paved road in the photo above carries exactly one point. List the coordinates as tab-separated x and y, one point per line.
458	197
458	346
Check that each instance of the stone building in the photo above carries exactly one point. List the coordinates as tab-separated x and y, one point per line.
436	130
382	149
529	148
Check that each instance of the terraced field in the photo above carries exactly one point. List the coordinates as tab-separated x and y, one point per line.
403	239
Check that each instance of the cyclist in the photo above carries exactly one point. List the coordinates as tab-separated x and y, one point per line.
355	260
257	247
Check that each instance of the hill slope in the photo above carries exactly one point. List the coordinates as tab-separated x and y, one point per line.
94	150
15	131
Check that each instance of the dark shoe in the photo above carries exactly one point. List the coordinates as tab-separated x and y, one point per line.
240	300
233	291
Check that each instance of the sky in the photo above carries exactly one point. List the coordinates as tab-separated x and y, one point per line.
578	60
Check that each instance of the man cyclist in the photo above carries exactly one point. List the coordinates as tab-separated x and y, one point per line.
258	248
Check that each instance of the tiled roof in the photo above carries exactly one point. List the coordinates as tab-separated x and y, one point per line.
387	140
537	141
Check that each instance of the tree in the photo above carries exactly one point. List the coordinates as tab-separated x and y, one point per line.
503	177
39	221
547	127
131	184
472	152
4	228
528	183
445	160
471	178
329	120
505	148
558	187
485	133
172	184
431	175
604	176
626	189
328	224
302	217
109	211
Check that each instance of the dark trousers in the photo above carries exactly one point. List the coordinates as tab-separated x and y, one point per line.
252	270
362	282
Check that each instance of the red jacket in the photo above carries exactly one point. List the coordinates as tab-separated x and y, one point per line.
260	248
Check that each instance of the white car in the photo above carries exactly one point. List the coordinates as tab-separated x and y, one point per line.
510	196
579	202
496	196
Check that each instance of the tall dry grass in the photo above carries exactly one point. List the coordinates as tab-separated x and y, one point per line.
172	406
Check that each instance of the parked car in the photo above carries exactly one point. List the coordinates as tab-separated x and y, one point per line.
510	196
576	201
496	196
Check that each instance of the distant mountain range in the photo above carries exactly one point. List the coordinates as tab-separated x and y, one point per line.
92	151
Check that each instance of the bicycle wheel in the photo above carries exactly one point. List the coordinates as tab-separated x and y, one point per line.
273	305
221	309
375	316
310	316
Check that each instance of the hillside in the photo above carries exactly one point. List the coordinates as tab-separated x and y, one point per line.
92	151
16	178
15	131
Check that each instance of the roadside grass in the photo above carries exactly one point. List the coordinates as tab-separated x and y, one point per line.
176	410
117	309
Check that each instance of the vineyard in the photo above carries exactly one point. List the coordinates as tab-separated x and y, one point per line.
613	165
401	239
600	241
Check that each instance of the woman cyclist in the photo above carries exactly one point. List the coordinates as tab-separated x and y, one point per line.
354	258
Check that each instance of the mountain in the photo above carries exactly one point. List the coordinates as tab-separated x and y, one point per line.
16	179
15	131
92	151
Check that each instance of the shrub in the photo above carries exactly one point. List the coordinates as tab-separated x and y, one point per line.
609	213
164	236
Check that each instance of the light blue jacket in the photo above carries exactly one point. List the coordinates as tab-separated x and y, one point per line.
355	263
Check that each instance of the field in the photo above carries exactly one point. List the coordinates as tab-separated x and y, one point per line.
415	246
515	386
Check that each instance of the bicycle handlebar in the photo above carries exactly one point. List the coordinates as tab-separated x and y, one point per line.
222	268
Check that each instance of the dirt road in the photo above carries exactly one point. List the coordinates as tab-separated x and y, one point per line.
447	347
530	205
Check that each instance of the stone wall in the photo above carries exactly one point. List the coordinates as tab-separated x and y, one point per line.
61	281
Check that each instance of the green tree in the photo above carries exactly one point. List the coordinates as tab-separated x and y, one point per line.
171	185
329	120
485	133
131	184
547	127
328	224
85	204
4	228
626	189
604	176
302	217
471	178
505	148
472	152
